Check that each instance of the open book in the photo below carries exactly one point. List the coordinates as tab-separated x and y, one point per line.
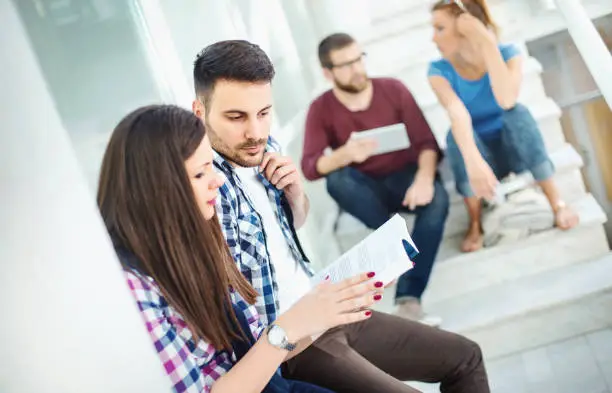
388	252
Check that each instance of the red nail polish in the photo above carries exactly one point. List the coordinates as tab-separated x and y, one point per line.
377	297
368	313
371	274
378	284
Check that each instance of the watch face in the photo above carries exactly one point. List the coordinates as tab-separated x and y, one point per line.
276	335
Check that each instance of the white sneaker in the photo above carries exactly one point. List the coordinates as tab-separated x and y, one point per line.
431	320
410	308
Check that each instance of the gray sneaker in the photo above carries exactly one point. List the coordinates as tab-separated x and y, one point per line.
410	308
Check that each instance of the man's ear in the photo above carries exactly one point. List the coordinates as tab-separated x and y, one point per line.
327	73
198	108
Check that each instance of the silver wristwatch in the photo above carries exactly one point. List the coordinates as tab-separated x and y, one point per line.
278	338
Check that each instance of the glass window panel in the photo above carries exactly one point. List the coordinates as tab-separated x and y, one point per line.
94	64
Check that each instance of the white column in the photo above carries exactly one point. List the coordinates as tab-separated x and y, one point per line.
267	26
589	43
177	30
69	323
302	30
162	53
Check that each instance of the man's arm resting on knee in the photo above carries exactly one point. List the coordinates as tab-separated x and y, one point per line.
428	164
332	162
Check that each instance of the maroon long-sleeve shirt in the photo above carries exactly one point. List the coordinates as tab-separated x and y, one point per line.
329	124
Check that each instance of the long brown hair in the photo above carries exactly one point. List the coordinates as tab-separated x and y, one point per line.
477	8
149	208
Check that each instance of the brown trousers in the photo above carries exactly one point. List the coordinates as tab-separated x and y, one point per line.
378	354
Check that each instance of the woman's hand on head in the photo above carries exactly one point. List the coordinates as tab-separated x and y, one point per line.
473	29
331	304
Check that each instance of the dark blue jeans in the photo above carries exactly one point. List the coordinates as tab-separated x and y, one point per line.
374	200
516	148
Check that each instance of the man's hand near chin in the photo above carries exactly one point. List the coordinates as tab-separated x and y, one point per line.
283	174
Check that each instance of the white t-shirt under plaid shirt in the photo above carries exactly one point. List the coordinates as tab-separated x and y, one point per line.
245	234
293	282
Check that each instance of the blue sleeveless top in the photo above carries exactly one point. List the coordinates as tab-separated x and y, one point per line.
477	95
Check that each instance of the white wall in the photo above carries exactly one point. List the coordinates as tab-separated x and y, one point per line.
69	324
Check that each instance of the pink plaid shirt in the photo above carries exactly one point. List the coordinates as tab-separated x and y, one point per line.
191	366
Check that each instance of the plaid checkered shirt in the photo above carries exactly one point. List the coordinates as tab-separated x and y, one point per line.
243	229
193	367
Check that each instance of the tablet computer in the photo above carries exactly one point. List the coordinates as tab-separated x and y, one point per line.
389	138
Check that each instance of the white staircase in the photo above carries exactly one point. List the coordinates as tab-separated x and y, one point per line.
548	287
511	297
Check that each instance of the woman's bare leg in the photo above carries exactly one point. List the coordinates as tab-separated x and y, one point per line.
473	240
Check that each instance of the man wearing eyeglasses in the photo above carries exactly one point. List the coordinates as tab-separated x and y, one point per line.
370	186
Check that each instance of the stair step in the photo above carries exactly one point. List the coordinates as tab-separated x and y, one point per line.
410	43
558	323
392	8
456	273
530	305
396	22
571	187
494	285
587	207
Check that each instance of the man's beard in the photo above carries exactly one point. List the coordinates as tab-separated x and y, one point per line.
236	154
353	88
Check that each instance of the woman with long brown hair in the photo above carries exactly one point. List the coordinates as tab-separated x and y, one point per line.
156	195
478	82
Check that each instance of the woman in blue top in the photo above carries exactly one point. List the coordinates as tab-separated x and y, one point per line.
478	82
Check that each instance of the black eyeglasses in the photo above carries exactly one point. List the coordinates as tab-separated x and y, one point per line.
349	63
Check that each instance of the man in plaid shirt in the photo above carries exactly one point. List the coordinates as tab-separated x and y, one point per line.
245	237
259	207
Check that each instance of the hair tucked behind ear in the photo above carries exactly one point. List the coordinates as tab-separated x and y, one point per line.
149	208
477	8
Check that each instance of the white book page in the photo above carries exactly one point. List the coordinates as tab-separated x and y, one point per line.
385	252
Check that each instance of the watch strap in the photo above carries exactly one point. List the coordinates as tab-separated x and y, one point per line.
285	344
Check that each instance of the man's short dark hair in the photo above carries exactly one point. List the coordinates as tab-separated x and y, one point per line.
330	43
232	60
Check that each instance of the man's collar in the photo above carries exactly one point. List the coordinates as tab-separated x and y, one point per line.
228	169
221	162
